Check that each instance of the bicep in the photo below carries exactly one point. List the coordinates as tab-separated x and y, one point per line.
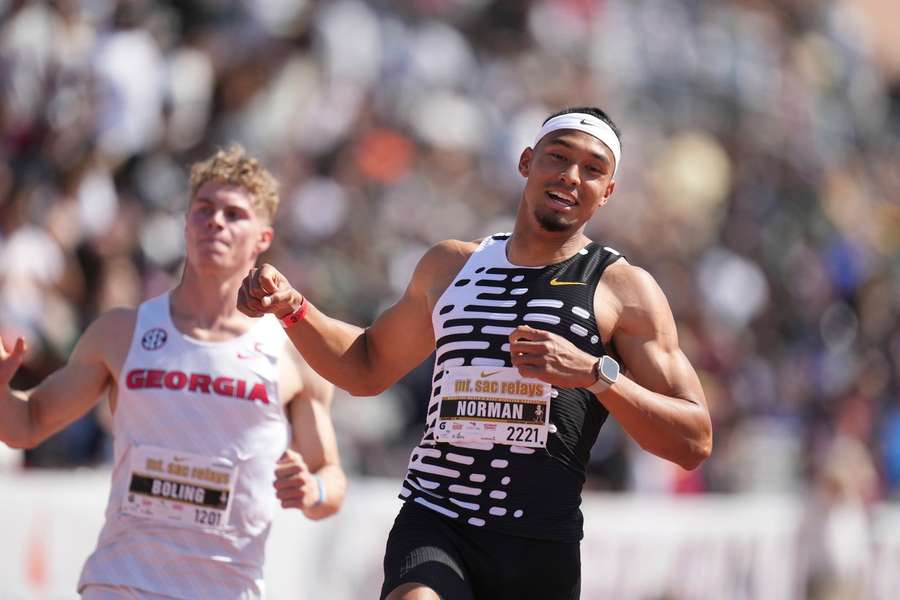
646	339
313	431
401	337
658	366
73	390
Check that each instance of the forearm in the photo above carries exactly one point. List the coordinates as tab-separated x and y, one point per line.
336	350
334	488
16	423
673	428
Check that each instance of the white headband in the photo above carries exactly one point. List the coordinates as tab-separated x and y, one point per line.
588	124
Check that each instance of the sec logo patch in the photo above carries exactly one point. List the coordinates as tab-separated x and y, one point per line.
154	339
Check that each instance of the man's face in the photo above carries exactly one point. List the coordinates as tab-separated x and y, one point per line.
569	176
223	231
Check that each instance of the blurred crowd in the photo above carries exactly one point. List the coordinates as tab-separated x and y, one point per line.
759	184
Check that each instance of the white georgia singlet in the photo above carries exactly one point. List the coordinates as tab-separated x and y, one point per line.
197	431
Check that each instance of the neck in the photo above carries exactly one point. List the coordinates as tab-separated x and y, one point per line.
532	246
206	301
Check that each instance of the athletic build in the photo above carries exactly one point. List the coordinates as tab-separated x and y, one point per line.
522	324
209	409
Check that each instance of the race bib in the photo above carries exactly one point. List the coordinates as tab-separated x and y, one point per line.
493	404
189	489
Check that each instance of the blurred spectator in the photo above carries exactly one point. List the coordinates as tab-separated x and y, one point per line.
837	532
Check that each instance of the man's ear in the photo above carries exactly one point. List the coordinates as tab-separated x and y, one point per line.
525	161
609	191
265	240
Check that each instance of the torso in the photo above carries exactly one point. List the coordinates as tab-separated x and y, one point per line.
500	486
217	406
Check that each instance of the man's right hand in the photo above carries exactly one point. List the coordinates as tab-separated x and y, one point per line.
10	359
265	290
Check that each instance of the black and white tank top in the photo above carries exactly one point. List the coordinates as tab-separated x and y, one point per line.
526	491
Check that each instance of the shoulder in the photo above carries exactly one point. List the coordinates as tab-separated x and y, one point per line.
630	283
450	251
442	261
111	325
108	337
298	380
636	296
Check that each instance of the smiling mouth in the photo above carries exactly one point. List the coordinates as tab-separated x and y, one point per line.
560	200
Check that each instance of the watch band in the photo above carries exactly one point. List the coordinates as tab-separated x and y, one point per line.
602	380
599	386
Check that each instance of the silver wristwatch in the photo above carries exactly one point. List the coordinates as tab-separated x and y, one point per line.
606	371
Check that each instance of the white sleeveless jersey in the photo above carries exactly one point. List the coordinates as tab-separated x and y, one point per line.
198	428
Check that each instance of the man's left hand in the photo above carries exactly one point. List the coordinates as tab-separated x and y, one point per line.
295	485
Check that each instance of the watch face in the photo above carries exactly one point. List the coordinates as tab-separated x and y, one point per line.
609	369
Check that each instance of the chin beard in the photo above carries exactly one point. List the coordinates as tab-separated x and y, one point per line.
552	222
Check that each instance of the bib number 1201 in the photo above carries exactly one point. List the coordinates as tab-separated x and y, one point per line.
521	434
207	517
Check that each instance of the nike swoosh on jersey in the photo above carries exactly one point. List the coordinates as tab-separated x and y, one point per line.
555	281
488	373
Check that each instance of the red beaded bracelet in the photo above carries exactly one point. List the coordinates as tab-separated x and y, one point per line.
296	316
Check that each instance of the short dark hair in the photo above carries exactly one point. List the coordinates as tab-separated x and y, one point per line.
590	110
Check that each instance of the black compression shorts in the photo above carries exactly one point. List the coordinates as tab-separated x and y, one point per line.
463	562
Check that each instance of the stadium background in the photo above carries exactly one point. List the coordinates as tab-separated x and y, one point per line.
759	184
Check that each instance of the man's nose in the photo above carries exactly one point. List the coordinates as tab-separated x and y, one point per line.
216	220
570	174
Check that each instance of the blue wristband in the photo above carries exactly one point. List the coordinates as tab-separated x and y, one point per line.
323	496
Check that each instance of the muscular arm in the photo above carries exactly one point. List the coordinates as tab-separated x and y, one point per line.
367	361
363	361
29	417
660	402
315	440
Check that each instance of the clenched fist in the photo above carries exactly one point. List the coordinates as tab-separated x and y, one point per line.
549	357
295	485
265	290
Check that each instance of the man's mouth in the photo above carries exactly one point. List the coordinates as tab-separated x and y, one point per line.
560	200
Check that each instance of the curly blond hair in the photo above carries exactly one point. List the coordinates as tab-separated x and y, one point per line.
233	166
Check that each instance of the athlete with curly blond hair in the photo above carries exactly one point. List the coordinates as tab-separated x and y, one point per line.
216	416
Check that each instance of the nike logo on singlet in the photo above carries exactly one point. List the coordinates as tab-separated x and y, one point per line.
488	373
555	281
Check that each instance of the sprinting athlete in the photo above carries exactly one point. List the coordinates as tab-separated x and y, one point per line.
215	415
524	325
